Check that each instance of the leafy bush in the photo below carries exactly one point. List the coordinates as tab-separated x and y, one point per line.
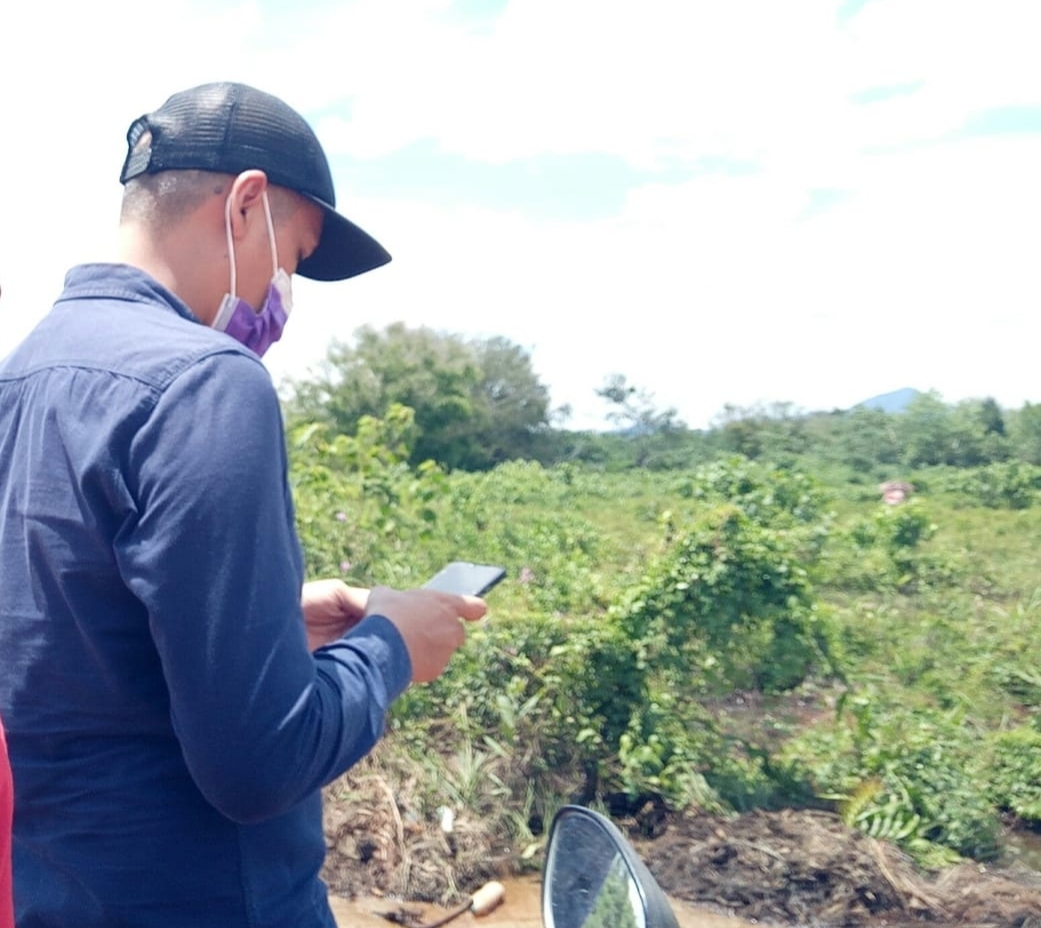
1014	776
1002	485
666	752
519	515
885	552
542	685
728	606
766	493
358	504
911	776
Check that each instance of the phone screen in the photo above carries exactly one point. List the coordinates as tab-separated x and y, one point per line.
466	578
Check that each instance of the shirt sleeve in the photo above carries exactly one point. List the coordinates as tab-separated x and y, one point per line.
213	554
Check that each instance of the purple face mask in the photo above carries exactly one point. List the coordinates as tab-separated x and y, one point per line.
259	329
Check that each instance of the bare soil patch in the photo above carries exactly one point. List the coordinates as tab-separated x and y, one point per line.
807	868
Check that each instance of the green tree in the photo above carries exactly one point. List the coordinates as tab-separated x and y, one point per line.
655	435
512	401
1025	433
633	409
928	432
991	417
979	432
862	438
476	403
762	431
964	435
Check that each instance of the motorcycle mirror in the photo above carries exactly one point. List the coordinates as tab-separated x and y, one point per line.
593	878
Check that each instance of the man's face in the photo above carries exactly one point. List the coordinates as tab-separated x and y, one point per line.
298	237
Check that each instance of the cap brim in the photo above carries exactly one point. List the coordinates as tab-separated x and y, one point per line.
343	251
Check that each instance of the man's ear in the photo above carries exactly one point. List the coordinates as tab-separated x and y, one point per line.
246	201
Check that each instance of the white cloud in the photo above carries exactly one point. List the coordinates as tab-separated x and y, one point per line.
720	289
717	292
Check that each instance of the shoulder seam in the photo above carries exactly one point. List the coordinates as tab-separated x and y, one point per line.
156	385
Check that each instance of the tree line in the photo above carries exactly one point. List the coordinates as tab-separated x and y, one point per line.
479	402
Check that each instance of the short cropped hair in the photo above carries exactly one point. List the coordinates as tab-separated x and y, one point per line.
169	196
164	199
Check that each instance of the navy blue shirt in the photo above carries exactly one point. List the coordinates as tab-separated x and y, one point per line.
168	728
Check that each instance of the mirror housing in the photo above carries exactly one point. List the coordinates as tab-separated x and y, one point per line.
593	878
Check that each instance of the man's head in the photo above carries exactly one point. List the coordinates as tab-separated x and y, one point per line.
228	129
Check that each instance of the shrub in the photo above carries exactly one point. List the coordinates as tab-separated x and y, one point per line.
359	507
1014	777
728	606
519	515
885	552
907	775
1001	485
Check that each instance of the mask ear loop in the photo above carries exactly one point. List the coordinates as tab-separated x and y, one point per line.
231	242
271	236
279	278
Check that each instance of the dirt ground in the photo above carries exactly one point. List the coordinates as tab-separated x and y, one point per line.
807	868
786	868
521	908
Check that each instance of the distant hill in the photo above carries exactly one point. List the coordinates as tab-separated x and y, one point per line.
897	401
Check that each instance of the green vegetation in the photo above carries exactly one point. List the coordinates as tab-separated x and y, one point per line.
475	403
613	906
755	630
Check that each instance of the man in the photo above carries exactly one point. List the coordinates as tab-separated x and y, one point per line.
174	696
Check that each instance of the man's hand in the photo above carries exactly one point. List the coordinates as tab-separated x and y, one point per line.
428	621
331	608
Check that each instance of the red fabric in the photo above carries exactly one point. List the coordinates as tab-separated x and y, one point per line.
6	812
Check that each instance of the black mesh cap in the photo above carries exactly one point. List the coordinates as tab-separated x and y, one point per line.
231	128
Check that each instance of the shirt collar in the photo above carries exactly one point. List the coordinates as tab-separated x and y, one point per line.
120	282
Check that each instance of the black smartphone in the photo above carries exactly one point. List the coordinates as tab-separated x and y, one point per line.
466	578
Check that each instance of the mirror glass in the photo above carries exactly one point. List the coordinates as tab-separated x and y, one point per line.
588	882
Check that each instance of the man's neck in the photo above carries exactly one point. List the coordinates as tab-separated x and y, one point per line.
171	264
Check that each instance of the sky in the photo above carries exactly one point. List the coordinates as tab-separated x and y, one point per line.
730	202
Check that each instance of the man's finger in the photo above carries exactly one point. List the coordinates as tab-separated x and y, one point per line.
472	608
